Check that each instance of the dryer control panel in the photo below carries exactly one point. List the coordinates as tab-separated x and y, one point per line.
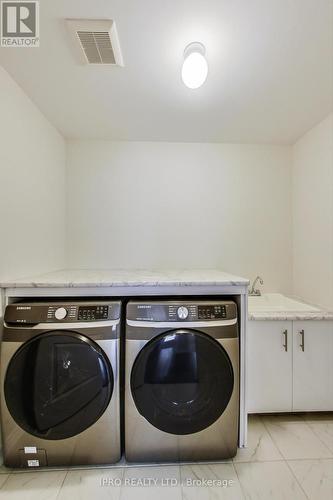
182	311
61	312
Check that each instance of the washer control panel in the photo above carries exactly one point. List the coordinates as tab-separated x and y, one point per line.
182	311
212	312
61	312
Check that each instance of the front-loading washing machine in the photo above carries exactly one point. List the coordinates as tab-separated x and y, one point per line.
60	383
181	380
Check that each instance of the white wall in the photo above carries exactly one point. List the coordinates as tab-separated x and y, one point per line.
32	187
313	215
175	205
165	205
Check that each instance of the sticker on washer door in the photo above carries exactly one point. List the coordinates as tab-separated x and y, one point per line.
33	463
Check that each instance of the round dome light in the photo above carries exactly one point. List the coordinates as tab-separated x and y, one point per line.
195	67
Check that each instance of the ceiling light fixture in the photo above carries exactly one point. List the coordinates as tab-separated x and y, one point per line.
195	67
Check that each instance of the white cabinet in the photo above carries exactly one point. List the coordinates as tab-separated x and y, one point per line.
289	366
269	366
312	365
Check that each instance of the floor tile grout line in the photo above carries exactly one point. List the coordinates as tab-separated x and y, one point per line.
286	460
3	472
282	459
278	461
19	471
62	483
3	484
297	481
275	443
182	489
239	481
122	483
327	459
314	432
180	486
262	418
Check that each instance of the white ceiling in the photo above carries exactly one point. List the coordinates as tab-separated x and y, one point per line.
270	70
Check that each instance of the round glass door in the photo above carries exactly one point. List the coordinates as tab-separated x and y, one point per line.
182	381
58	384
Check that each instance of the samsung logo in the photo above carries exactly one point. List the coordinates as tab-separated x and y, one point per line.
144	307
23	308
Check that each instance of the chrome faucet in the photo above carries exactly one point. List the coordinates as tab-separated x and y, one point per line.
253	290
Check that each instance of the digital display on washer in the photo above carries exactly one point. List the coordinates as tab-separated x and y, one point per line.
90	313
212	312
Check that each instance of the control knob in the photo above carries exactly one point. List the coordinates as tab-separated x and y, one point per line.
60	313
182	312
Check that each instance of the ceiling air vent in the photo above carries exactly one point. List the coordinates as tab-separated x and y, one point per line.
96	41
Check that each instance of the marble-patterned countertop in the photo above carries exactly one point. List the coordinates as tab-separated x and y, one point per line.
125	278
277	306
290	316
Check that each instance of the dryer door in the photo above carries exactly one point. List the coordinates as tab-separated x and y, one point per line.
182	381
58	384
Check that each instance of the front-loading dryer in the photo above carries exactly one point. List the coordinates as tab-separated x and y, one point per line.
181	380
60	383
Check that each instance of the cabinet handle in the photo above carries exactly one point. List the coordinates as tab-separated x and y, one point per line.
285	345
302	340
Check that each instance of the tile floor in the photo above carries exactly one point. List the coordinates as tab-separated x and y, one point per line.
289	457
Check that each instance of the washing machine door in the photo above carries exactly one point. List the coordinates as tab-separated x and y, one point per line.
182	381
58	384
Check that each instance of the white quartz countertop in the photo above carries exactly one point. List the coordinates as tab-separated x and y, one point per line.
133	278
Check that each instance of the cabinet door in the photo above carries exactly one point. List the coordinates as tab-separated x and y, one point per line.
269	366
313	365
